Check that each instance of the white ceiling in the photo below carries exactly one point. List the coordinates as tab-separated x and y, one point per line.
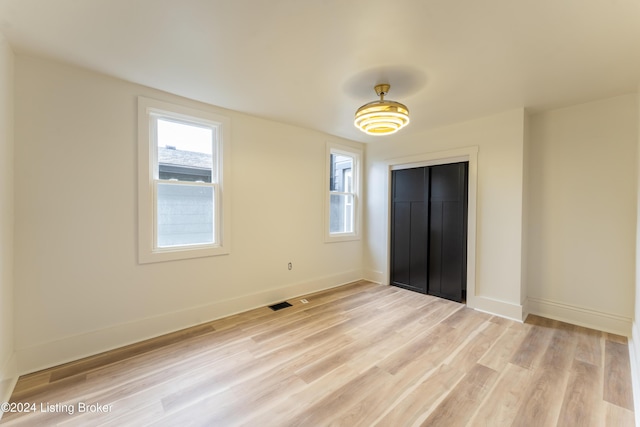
314	62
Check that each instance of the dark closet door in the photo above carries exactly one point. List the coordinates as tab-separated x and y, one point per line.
429	230
448	231
409	228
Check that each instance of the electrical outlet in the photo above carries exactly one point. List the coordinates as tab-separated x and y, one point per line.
304	301
290	266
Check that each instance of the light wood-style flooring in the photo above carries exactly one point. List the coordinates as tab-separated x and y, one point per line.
358	355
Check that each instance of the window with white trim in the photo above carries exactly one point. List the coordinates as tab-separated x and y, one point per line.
343	179
183	156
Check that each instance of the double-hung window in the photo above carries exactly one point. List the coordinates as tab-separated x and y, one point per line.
343	180
183	157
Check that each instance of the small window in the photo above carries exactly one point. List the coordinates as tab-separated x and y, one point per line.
343	178
181	208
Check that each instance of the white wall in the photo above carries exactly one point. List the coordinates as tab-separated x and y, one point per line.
7	360
526	209
79	289
499	139
583	196
634	342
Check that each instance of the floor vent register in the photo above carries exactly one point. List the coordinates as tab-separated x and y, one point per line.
279	306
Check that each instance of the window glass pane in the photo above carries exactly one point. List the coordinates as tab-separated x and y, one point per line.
185	151
341	174
184	215
341	213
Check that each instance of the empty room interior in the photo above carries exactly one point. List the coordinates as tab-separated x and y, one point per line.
319	213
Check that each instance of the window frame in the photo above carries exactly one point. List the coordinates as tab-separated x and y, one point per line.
149	110
356	176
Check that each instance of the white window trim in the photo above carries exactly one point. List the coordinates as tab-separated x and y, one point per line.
147	253
356	153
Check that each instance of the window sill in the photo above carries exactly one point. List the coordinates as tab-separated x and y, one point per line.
341	237
176	254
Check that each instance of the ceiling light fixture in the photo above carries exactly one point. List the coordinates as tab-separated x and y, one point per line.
382	117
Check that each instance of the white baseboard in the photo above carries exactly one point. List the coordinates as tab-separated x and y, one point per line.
496	307
8	379
375	277
634	358
49	354
580	316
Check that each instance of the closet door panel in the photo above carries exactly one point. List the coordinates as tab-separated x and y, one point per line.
409	229
435	248
452	251
447	231
400	250
418	244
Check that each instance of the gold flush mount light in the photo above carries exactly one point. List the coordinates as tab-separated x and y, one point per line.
382	117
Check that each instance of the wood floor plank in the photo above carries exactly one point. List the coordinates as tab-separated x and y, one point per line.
143	372
142	416
616	416
325	364
475	347
300	402
543	399
589	345
356	355
211	383
501	404
461	403
436	344
309	329
464	317
31	381
370	341
232	407
580	405
62	387
503	349
560	350
373	403
533	346
430	317
617	384
431	341
442	343
615	338
119	354
416	402
134	394
325	411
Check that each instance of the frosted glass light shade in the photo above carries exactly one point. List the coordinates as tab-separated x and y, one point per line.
382	117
